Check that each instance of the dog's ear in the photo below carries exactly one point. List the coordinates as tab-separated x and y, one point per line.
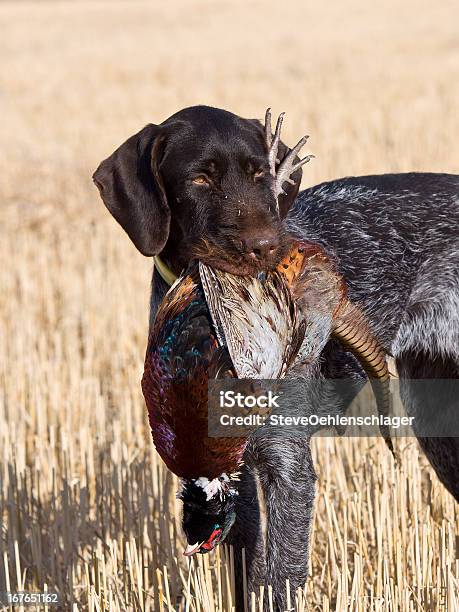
131	187
291	191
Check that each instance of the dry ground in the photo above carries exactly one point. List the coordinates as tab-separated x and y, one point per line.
85	505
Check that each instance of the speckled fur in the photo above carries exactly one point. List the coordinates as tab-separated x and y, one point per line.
395	240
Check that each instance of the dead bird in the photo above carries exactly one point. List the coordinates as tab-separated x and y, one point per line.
184	351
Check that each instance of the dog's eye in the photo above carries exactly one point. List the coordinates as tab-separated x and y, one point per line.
258	173
200	180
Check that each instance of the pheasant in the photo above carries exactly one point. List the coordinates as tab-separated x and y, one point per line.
184	351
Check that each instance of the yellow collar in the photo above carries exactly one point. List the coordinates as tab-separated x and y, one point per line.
164	271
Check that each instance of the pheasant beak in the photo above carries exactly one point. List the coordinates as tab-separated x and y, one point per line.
206	546
192	549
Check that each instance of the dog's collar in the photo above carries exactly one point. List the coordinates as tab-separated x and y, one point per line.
164	271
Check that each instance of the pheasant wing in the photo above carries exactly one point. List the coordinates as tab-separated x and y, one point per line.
256	320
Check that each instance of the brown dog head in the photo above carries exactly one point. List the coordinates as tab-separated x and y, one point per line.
199	185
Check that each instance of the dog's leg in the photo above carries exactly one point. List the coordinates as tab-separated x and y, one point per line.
288	482
434	404
246	534
286	470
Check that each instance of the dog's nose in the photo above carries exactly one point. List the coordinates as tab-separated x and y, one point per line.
262	246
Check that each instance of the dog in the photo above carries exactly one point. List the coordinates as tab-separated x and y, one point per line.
198	186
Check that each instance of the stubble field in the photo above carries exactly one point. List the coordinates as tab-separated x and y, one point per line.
86	508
